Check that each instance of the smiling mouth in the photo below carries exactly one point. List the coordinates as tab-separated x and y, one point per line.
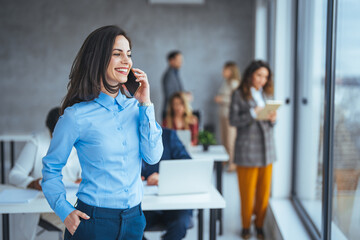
123	71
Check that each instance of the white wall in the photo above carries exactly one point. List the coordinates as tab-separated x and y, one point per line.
39	41
284	84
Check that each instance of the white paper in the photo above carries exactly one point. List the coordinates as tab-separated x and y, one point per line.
18	195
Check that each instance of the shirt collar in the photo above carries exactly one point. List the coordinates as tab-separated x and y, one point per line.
114	104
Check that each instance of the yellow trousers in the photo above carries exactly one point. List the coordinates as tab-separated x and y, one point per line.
254	186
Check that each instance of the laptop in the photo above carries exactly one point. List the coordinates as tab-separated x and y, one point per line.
185	176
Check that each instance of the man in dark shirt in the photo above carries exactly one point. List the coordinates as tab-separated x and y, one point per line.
171	81
178	221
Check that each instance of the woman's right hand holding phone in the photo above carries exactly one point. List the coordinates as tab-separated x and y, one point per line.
143	93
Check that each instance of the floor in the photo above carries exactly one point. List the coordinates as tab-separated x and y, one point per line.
231	216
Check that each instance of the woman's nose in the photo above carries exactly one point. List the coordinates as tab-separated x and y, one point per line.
125	60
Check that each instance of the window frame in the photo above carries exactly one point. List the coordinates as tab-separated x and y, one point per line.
327	187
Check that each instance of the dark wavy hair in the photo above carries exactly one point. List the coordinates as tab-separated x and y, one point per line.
89	67
52	118
246	82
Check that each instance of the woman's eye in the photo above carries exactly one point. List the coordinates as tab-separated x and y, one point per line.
129	56
116	54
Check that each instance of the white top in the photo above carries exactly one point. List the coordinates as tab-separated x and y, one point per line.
258	97
225	92
28	166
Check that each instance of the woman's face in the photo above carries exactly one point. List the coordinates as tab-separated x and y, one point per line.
226	73
120	62
178	106
260	78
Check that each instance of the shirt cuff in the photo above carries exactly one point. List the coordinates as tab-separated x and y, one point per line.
253	113
147	113
63	210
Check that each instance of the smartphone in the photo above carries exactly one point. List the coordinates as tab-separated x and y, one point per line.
131	86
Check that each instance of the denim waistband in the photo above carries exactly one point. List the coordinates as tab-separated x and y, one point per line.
99	212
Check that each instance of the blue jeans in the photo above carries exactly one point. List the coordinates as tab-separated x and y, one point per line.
109	224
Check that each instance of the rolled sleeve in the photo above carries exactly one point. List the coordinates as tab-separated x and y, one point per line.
151	146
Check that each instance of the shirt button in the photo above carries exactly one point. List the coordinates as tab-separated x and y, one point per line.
126	190
119	128
124	143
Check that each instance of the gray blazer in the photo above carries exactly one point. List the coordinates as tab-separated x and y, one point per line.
171	84
254	145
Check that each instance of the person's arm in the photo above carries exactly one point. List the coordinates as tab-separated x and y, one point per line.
65	135
148	169
20	173
240	115
151	147
272	118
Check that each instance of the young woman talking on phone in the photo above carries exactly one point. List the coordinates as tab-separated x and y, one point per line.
112	134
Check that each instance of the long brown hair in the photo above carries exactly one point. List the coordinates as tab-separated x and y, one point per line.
246	82
188	115
89	67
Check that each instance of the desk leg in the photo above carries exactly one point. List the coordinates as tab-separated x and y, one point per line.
5	227
2	163
12	151
219	170
201	224
213	223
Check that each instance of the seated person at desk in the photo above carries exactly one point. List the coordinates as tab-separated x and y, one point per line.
176	221
180	117
27	174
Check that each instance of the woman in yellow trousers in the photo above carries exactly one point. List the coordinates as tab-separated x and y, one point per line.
254	145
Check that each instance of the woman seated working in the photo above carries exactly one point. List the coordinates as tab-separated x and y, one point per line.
179	116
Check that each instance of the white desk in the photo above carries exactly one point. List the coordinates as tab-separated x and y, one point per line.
216	152
219	155
211	200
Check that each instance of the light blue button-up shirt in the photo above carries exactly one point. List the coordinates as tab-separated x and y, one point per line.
111	136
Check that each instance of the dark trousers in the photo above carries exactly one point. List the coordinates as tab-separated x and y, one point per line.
176	222
109	224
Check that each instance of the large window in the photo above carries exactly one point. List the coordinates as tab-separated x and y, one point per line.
311	102
346	192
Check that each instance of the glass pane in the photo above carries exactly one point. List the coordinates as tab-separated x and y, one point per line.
310	106
346	197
